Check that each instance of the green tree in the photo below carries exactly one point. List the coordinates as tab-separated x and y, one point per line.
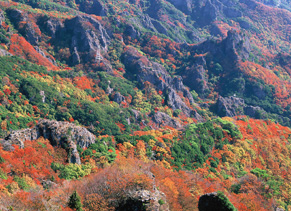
75	202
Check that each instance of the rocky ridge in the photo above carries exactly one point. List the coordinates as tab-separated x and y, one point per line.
86	40
156	74
234	106
64	134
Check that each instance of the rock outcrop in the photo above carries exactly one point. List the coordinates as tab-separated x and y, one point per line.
162	119
236	45
4	53
195	76
132	32
208	11
64	134
45	55
88	37
26	27
96	7
154	73
215	201
2	18
185	5
118	98
145	199
52	26
234	106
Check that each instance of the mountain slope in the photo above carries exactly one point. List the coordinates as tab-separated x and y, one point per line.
195	93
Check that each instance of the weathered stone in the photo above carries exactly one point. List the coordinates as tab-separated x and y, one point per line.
156	75
132	32
234	106
4	53
118	98
195	76
159	27
183	5
75	56
96	7
42	53
53	26
162	119
87	40
58	133
2	18
236	45
28	30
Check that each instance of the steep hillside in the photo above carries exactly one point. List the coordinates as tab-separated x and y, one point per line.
145	104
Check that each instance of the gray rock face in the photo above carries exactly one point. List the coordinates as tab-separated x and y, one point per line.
232	12
58	133
184	5
132	32
159	27
75	56
118	98
4	53
147	23
157	75
52	26
96	7
150	199
28	31
195	76
208	11
87	38
258	91
236	45
2	18
162	119
230	106
233	106
51	59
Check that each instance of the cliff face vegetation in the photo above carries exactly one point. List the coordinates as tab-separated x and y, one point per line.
145	105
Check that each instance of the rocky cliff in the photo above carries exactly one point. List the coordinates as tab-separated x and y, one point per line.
152	72
87	37
234	106
64	134
25	25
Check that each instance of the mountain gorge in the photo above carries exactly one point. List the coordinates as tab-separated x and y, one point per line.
145	105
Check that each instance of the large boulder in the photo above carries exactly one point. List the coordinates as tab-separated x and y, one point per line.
64	134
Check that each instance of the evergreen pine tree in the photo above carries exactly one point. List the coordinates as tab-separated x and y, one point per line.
75	202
